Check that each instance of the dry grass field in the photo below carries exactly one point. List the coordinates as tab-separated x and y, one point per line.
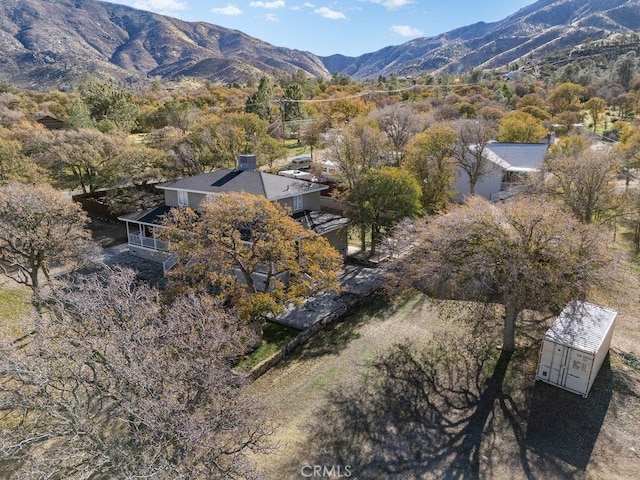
526	429
15	309
521	429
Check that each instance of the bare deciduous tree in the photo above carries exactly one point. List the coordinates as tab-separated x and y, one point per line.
356	150
470	154
585	183
120	386
311	134
40	228
527	254
400	122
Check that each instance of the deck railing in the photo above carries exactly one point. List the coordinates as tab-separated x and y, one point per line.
169	263
147	242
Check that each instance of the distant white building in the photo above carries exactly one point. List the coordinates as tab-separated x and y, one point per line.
508	162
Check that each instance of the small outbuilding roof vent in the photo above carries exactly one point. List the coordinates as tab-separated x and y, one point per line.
247	162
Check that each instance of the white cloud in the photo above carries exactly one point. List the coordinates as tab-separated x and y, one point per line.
392	4
405	31
270	17
330	14
160	5
269	5
228	10
154	5
304	5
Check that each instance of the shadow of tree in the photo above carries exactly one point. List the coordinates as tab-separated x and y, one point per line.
566	426
435	412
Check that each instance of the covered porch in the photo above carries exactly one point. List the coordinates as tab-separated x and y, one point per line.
142	228
142	240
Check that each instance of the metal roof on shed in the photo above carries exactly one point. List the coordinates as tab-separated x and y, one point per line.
582	325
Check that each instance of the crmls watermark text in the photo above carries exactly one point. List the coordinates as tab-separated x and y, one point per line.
326	471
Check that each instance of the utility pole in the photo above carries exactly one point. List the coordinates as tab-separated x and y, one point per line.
281	103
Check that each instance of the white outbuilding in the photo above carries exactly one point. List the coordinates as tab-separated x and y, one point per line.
575	346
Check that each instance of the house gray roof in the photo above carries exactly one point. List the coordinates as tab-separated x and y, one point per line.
582	325
273	187
153	216
320	222
518	157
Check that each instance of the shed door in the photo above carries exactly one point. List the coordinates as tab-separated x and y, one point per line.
578	371
553	358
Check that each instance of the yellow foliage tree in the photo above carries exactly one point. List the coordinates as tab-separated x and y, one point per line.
566	97
521	127
251	253
429	158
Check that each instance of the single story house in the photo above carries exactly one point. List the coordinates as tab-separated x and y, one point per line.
302	198
508	162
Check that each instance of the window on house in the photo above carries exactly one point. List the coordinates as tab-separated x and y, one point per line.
298	203
183	198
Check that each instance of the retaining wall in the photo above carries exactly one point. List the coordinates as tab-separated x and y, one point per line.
304	336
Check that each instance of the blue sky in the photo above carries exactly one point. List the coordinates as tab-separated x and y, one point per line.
325	27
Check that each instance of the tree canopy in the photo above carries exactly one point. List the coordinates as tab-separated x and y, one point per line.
566	97
109	105
40	228
585	183
248	250
86	159
429	159
117	385
383	197
524	255
521	127
596	107
259	102
15	166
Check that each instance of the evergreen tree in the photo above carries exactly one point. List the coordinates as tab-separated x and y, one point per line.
260	102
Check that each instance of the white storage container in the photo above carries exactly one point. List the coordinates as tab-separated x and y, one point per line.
575	346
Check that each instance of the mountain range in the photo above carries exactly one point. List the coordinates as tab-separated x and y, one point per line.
53	43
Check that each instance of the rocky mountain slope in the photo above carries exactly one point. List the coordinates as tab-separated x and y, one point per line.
543	27
52	43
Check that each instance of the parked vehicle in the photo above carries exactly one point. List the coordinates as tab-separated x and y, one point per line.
302	162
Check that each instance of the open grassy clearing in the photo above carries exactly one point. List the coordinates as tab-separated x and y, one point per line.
295	148
274	337
15	307
532	430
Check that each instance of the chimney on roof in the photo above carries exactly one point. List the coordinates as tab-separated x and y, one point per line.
247	162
